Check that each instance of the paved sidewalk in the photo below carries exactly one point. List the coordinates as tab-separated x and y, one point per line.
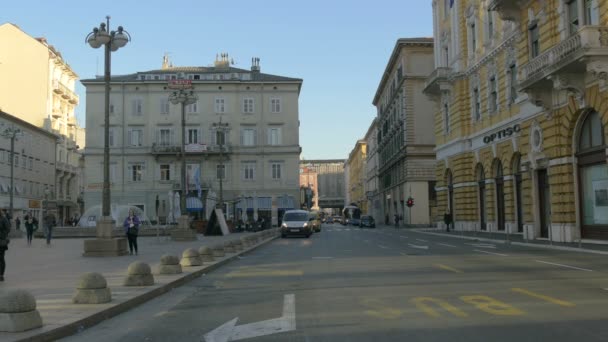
51	273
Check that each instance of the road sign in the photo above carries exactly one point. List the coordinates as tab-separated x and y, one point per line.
229	331
410	202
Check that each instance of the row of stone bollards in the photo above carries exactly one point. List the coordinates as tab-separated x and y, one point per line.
18	307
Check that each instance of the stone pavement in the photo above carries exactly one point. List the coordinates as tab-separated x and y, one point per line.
51	274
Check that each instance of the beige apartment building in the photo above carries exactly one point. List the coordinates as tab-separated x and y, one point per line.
259	163
373	196
38	87
404	135
33	168
356	175
521	139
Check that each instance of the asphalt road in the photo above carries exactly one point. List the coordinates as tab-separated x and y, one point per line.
351	284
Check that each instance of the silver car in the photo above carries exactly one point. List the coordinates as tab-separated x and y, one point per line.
296	222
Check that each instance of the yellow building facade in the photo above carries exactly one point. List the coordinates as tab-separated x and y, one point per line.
521	144
357	175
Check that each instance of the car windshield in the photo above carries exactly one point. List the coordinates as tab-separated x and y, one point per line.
296	217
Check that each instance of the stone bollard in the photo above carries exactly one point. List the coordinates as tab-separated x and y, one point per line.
139	274
246	241
206	254
18	311
92	288
228	247
218	251
190	257
169	264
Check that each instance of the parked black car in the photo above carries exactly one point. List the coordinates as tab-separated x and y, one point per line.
367	221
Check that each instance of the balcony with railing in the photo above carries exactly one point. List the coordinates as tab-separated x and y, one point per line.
570	56
65	92
433	83
161	148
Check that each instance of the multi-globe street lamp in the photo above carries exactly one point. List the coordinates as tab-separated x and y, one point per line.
221	128
184	98
112	41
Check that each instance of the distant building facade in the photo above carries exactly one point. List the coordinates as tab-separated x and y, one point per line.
309	189
261	149
373	196
38	87
331	182
405	139
357	175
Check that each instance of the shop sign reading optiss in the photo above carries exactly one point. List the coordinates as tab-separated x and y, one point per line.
503	133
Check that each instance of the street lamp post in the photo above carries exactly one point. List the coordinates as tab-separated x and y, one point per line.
112	41
184	98
11	133
221	127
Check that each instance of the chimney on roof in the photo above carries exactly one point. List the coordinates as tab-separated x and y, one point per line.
255	64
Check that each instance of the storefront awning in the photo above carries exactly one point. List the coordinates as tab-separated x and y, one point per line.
194	204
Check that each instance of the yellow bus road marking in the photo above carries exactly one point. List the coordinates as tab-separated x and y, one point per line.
380	310
543	297
492	306
421	304
447	268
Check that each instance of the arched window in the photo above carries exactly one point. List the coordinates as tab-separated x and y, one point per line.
593	177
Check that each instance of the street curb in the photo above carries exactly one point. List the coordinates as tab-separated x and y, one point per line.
89	321
524	244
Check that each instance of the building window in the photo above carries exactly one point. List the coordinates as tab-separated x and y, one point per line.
249	171
446	118
192	108
220	137
136	172
446	56
193	136
275	105
533	33
275	169
112	140
591	13
138	107
136	137
248	105
221	172
248	137
165	172
220	105
24	162
274	136
476	104
512	83
573	17
31	160
111	108
164	137
473	36
490	22
164	106
493	99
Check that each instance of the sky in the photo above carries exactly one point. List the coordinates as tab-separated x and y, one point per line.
339	48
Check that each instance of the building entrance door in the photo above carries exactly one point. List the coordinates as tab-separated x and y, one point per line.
544	202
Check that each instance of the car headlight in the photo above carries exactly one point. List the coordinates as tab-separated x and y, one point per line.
284	225
305	225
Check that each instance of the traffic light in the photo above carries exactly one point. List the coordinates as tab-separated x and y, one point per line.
410	202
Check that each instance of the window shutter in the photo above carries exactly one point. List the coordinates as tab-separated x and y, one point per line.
140	140
213	137
133	107
255	137
157	136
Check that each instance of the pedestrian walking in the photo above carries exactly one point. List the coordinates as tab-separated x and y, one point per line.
29	227
50	221
5	228
447	219
396	221
18	223
131	226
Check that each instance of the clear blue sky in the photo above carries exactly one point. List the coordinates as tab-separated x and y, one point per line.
340	48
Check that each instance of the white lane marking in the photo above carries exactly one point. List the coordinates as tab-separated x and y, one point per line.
445	244
403	237
421	240
420	247
383	247
322	257
229	331
482	245
499	254
562	265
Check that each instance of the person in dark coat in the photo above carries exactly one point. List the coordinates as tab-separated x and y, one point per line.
447	219
29	227
5	228
131	225
49	223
